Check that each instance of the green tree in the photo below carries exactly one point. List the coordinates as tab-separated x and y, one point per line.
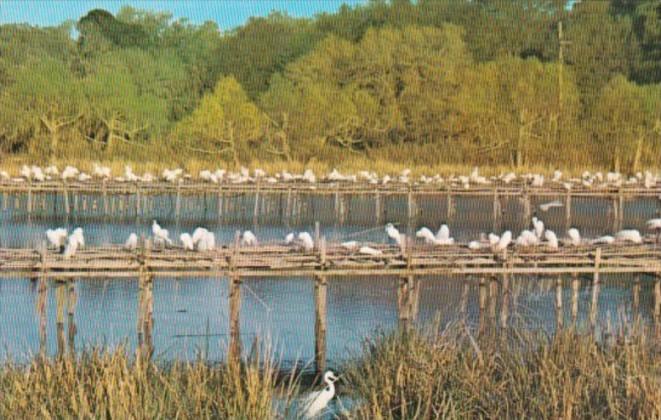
224	122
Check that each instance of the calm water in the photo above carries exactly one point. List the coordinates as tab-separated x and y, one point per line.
191	315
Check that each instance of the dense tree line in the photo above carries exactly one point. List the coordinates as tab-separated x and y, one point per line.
457	81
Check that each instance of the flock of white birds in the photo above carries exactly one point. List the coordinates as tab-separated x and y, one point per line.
33	173
203	240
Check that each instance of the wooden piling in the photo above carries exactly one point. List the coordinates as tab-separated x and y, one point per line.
482	302
559	312
60	299
657	302
105	198
568	209
288	217
234	354
220	203
320	310
407	301
29	203
526	205
317	235
378	208
463	307
42	300
505	302
575	287
449	204
410	214
255	211
497	210
594	308
635	305
71	322
177	205
620	209
65	194
137	200
493	300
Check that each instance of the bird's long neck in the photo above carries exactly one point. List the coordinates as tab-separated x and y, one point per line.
330	387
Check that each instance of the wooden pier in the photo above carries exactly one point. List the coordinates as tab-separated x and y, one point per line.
332	262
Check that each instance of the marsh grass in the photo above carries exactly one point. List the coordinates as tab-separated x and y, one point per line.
418	375
112	385
453	375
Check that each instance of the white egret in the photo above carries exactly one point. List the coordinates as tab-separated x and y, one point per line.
551	239
207	242
161	236
187	241
198	234
629	235
305	240
538	225
57	238
248	239
73	243
350	245
574	237
426	234
366	250
606	239
394	234
474	245
443	233
493	239
316	402
504	241
289	238
526	238
78	233
550	205
132	242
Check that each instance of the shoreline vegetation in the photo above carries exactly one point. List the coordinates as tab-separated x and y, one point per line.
418	374
432	83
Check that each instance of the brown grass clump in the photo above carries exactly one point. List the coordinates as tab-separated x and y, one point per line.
422	376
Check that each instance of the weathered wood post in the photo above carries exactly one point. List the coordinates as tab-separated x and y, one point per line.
177	205
635	305
450	203
105	197
29	203
657	304
620	208
234	355
320	310
505	301
220	203
497	210
594	308
145	303
378	207
65	194
408	292
575	286
255	211
411	213
568	208
493	300
60	298
482	302
288	209
71	322
463	307
137	200
42	300
559	312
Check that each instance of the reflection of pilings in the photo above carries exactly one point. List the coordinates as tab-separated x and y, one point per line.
575	286
559	312
594	307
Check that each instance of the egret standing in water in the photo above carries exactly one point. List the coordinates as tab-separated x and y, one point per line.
316	402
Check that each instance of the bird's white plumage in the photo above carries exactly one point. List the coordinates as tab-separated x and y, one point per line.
574	237
187	241
629	235
57	237
132	242
306	241
316	402
551	239
504	241
248	239
394	234
366	250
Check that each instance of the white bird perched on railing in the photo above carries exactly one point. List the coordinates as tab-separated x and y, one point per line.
526	238
394	234
538	226
443	236
101	171
426	234
289	238
475	245
503	242
38	174
493	239
207	242
316	402
26	172
508	177
51	170
248	239
551	239
603	240
309	176
171	175
350	245
161	236
129	175
69	173
57	238
655	225
629	235
574	237
187	241
367	250
75	241
557	176
132	242
304	239
83	177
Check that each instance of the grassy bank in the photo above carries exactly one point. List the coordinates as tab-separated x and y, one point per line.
415	376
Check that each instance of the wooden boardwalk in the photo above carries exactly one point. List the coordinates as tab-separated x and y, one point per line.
333	262
272	260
